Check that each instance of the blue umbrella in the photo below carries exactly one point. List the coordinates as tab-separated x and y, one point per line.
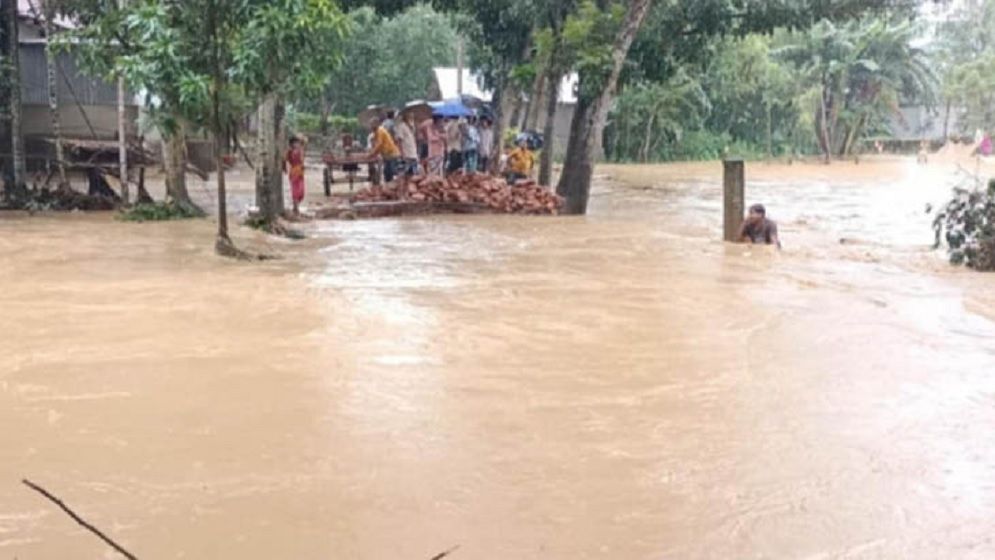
451	108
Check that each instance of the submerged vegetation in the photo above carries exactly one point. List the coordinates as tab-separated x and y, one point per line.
157	212
967	226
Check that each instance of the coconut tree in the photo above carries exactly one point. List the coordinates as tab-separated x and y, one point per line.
858	75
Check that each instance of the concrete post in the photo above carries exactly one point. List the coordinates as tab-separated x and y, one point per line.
733	197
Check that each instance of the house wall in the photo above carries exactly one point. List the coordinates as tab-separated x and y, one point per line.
27	30
919	123
73	83
37	121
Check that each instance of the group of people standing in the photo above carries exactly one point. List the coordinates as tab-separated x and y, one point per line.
439	146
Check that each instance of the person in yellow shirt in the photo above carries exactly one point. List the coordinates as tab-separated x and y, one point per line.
521	160
385	147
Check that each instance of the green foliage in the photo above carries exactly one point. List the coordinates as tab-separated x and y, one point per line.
967	224
207	60
290	46
509	136
650	116
753	95
965	52
587	39
857	75
500	33
388	60
771	94
970	87
382	7
156	212
742	101
310	123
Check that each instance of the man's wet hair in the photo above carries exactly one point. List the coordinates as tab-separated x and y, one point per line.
758	209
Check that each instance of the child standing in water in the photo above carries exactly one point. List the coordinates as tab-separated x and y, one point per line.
293	164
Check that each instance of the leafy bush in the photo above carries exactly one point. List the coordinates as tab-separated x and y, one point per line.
310	123
699	145
967	224
340	124
156	212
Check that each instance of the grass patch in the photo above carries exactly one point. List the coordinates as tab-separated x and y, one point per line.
156	212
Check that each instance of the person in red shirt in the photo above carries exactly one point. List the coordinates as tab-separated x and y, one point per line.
293	165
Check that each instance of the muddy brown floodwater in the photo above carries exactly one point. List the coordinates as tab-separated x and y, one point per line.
617	386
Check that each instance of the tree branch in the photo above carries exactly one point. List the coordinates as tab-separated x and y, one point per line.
79	519
442	555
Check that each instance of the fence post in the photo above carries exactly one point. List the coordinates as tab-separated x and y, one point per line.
733	197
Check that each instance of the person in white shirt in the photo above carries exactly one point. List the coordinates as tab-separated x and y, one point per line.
405	133
486	143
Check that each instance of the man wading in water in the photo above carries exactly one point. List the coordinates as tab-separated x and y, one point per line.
757	229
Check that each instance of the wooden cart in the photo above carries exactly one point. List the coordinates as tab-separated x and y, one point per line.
349	165
348	160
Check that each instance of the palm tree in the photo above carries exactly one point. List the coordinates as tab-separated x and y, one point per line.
859	74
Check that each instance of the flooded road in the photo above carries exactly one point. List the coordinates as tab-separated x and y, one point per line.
615	386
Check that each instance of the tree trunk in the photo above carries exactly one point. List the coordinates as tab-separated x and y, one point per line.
501	118
268	172
549	128
823	128
51	71
279	122
647	138
591	115
946	123
4	95
770	132
535	102
526	111
219	147
174	159
518	105
222	245
122	132
852	136
20	173
834	120
326	112
143	196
